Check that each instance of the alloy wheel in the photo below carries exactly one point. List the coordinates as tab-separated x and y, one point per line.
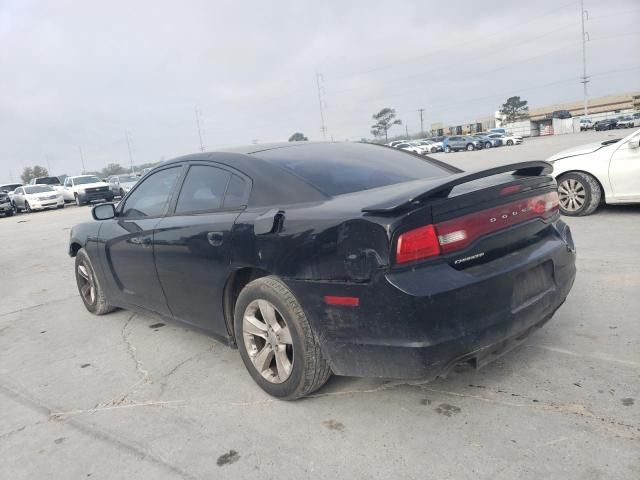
27	207
571	195
268	342
86	283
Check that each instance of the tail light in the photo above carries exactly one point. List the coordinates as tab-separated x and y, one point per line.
458	233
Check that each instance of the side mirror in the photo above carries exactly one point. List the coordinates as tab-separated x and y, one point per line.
103	211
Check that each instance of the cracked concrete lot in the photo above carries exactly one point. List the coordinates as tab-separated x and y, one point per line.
134	396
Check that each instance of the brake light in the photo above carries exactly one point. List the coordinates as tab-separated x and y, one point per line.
416	244
451	235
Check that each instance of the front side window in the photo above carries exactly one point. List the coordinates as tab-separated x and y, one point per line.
203	189
152	196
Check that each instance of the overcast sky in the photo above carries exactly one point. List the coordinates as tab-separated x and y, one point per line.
82	73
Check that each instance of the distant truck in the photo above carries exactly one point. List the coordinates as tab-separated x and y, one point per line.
53	182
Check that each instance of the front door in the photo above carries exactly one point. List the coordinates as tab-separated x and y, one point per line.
193	246
130	273
624	171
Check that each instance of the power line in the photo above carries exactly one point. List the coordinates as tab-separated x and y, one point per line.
453	47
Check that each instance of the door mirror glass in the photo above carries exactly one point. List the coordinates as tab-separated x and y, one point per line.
104	211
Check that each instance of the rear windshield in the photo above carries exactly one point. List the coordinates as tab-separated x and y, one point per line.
336	169
47	181
11	187
38	189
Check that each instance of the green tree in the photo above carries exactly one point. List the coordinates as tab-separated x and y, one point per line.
514	109
385	119
298	137
33	172
113	169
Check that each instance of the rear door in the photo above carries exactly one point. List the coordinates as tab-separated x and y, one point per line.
128	250
193	245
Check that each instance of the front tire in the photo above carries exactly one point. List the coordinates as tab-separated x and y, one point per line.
579	194
27	207
434	150
509	143
487	145
447	149
89	287
275	340
470	147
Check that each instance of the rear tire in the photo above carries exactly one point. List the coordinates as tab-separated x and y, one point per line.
434	150
77	200
509	142
293	365
579	194
89	287
487	145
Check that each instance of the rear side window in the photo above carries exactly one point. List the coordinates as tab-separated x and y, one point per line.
203	189
235	195
337	169
151	197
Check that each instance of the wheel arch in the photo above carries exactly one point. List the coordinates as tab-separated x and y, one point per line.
237	280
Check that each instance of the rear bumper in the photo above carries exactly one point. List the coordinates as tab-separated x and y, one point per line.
418	323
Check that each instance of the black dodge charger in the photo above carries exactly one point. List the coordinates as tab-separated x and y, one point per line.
344	258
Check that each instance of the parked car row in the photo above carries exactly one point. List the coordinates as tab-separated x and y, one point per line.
623	121
495	137
47	192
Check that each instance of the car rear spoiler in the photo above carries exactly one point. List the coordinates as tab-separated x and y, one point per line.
441	187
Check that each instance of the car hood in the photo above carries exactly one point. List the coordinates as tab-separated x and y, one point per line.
93	185
582	150
43	195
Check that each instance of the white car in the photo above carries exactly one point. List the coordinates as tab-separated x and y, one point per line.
606	171
507	138
86	189
411	147
36	197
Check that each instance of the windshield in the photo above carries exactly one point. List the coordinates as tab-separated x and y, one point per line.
338	169
38	189
85	180
10	187
127	178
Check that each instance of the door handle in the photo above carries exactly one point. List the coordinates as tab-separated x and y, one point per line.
144	241
215	238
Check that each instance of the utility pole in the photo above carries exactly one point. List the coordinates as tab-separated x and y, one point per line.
584	15
81	158
421	122
126	134
406	129
199	131
320	103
